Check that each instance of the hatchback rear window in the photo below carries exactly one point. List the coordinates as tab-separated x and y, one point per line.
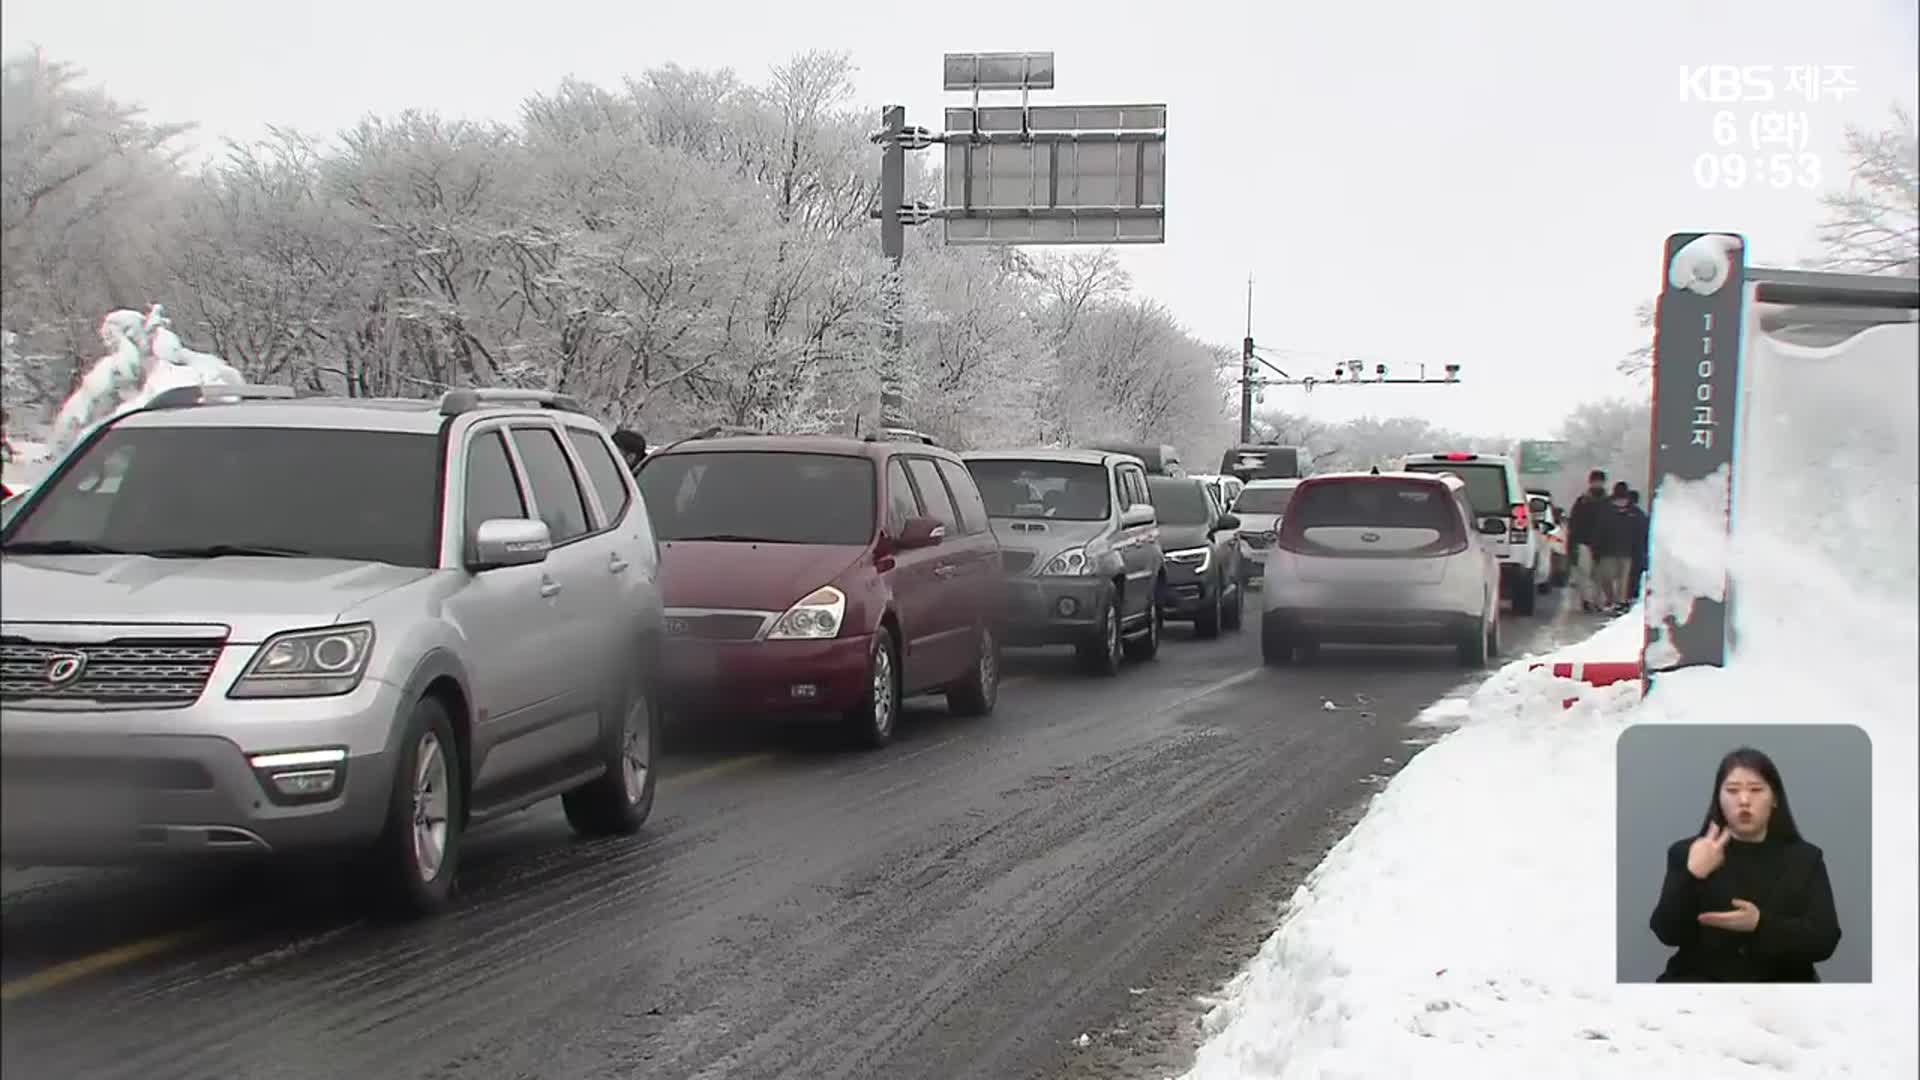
1369	503
760	496
1486	484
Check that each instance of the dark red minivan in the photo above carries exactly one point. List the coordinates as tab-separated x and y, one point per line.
817	574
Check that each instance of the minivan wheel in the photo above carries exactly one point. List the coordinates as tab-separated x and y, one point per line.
1103	654
979	690
619	800
871	723
1474	644
418	853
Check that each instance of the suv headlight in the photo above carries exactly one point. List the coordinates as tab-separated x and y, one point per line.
1076	562
323	662
817	616
1198	558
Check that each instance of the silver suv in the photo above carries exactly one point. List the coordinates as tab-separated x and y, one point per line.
238	621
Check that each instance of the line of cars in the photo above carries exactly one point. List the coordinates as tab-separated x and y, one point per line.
237	621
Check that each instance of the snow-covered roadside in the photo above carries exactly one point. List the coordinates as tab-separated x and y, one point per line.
1465	927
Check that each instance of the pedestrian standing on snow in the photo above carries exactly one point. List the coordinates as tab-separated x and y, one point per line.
1582	520
1636	576
632	446
1616	537
1747	900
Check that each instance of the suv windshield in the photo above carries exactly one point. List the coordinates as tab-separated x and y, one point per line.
1263	500
201	492
760	496
1178	502
1486	484
1059	490
1379	504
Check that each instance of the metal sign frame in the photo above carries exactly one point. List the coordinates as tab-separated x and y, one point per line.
979	71
1078	174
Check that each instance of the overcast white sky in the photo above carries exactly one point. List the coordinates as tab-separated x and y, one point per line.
1485	183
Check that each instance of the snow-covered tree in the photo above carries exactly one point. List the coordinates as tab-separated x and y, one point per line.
1873	227
144	358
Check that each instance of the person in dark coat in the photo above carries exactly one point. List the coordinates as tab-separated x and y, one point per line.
632	446
1636	576
1748	900
1612	537
1582	520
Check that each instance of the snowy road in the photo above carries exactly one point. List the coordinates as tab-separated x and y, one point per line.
964	904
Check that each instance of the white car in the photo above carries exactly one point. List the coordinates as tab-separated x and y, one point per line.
1259	508
1381	559
1494	491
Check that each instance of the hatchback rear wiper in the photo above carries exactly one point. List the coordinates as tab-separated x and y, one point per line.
216	551
60	547
733	538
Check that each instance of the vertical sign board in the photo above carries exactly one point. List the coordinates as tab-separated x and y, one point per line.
1696	378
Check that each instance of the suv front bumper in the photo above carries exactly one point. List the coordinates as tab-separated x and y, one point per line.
105	786
1053	610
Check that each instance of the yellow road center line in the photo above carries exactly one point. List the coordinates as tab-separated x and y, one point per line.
104	960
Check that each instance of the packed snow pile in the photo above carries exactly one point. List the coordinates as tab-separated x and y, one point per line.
1465	928
144	358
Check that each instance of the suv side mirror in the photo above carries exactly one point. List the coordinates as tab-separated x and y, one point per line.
1137	515
500	542
1493	526
1227	523
920	532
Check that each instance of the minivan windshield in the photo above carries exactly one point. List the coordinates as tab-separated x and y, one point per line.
760	496
1056	490
1486	484
1178	502
1263	500
205	492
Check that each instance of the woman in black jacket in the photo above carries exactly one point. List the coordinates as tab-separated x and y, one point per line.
1747	900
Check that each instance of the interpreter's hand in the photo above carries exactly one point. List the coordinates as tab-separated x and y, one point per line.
1742	919
1708	851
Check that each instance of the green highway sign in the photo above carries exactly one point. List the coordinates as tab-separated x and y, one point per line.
1538	456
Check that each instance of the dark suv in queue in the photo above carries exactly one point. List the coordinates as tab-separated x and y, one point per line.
1080	549
813	574
1202	550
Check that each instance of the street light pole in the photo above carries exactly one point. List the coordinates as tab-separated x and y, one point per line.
893	193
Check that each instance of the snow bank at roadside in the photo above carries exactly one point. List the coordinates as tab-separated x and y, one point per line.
1465	927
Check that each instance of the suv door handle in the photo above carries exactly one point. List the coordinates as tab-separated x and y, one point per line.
549	587
616	564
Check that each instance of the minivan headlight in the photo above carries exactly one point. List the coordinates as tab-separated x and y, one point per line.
817	616
321	662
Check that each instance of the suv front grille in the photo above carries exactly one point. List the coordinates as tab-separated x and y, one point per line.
155	672
1015	562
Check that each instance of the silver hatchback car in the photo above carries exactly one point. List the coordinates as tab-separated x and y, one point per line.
235	621
1381	559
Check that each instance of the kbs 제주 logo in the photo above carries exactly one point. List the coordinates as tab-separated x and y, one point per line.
65	668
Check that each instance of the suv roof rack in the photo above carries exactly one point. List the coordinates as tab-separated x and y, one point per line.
180	397
467	399
900	434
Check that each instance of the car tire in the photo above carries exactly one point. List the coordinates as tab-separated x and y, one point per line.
1473	647
1523	594
1276	647
872	722
1236	614
1147	645
417	857
1103	654
1206	625
619	800
1494	633
979	690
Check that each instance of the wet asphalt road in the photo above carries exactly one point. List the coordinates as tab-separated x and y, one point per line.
962	904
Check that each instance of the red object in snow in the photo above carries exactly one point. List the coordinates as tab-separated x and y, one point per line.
1595	673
